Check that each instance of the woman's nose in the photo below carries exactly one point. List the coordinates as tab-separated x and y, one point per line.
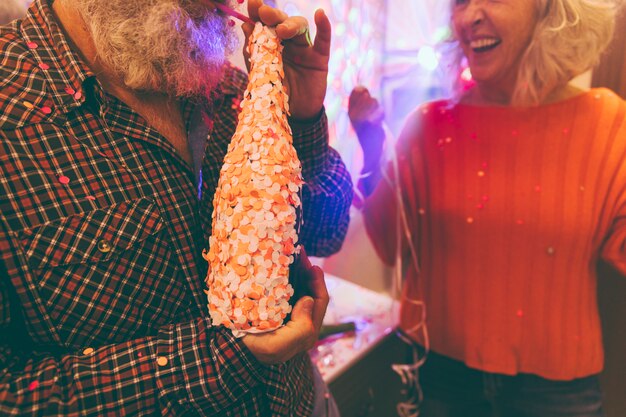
473	13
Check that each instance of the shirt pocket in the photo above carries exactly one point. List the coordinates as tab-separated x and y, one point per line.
105	275
90	237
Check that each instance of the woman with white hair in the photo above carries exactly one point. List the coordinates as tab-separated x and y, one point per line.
11	10
507	197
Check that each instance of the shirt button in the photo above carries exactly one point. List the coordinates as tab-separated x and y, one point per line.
162	361
104	246
88	351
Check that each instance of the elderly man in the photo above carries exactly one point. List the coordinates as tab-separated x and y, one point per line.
107	182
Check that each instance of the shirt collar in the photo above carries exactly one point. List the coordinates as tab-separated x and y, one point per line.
63	70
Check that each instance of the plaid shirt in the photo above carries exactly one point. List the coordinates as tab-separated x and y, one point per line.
102	310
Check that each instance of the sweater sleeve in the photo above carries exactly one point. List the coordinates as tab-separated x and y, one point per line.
390	212
613	250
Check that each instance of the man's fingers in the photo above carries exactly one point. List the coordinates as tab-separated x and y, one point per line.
253	9
313	278
271	16
320	294
293	27
324	33
303	310
247	28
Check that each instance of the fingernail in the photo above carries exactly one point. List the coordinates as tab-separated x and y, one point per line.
307	305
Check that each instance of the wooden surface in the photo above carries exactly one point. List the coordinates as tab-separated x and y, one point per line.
611	72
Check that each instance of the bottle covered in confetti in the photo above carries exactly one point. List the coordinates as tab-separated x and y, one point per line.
256	204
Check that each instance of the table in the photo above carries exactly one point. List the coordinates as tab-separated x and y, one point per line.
357	365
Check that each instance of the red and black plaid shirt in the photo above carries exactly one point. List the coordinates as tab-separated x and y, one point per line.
102	310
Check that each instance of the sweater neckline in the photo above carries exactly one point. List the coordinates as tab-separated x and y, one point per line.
592	92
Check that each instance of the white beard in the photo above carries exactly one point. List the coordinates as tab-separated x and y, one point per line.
177	47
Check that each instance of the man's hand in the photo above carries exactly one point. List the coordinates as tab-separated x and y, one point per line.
301	332
305	64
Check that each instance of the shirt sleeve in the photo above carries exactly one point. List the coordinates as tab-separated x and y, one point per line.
327	193
190	365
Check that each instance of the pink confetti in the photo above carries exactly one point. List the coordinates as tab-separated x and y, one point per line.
70	90
33	385
46	110
32	45
91	198
44	66
78	95
64	180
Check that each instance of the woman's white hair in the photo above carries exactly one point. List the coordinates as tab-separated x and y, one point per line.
569	39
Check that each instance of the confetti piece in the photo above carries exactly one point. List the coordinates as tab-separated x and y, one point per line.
44	66
32	45
255	217
46	110
64	180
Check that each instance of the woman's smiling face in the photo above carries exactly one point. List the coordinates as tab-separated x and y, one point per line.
494	35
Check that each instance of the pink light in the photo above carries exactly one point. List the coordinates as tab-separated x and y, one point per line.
466	75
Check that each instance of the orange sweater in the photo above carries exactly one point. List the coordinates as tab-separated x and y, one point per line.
510	209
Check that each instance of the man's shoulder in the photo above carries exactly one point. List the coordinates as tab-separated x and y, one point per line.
22	86
13	48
